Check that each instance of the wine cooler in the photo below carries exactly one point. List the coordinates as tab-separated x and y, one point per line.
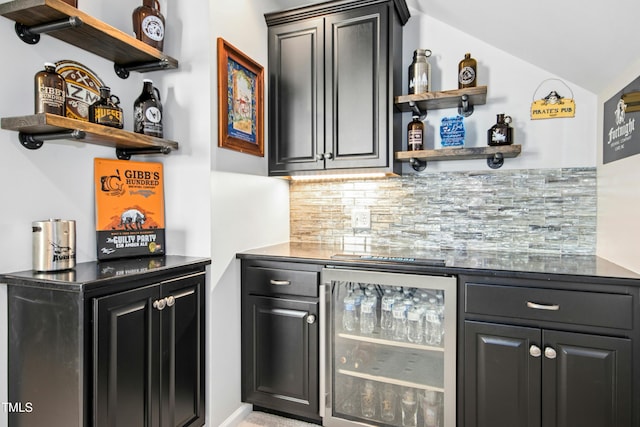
389	349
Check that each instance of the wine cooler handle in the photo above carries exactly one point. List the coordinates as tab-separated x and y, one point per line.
323	348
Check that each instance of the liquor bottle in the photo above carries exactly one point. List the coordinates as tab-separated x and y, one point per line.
106	111
415	134
420	72
50	91
147	111
148	24
467	75
500	133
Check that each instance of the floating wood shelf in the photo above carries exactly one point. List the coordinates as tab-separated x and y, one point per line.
495	155
464	99
85	32
36	128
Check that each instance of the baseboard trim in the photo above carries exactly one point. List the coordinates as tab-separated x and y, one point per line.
238	415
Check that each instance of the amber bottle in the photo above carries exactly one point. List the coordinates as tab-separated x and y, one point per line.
500	133
467	72
106	111
148	24
147	111
50	91
415	134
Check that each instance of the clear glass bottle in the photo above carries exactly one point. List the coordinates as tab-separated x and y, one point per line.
414	326
431	408
367	316
467	75
386	307
50	91
500	133
409	405
147	111
433	325
106	110
420	72
349	314
388	403
399	322
148	24
415	134
368	399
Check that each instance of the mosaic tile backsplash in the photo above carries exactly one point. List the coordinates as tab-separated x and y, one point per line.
540	211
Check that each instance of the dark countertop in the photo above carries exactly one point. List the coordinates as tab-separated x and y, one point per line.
561	267
93	274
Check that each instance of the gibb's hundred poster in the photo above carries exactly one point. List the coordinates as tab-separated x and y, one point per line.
129	208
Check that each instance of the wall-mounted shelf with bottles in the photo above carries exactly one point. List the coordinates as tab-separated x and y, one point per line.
495	155
67	23
464	99
37	128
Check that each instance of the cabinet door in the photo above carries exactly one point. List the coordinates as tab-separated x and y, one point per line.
586	380
501	378
296	97
357	87
280	354
182	363
126	339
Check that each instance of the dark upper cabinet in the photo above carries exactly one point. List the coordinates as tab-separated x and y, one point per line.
334	69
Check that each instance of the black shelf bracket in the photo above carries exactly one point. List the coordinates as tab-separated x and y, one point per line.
417	164
415	110
123	71
496	161
31	35
35	141
126	153
466	108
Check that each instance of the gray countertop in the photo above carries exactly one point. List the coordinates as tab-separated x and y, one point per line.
455	262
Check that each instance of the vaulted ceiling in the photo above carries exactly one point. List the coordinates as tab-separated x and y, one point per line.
586	42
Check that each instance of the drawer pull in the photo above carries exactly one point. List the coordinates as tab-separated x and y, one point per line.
280	282
535	351
536	306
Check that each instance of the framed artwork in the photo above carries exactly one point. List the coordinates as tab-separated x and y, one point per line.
240	101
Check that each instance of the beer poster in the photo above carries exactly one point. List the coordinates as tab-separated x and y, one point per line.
129	208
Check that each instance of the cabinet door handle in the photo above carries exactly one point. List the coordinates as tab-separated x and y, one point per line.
170	300
311	319
159	304
536	306
328	156
535	351
549	353
280	282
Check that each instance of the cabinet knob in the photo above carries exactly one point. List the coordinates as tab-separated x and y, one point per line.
535	351
311	319
328	156
550	353
159	304
170	300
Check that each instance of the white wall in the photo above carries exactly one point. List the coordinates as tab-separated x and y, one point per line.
511	84
618	193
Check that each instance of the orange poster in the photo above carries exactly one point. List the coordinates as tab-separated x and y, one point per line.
129	208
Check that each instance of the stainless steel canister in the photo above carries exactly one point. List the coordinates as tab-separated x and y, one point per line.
54	244
420	72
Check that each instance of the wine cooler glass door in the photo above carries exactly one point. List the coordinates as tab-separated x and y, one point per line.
390	349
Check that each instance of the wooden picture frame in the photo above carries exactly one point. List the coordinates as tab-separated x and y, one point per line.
240	101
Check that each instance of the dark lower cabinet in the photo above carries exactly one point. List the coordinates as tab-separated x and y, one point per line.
111	344
536	357
280	338
149	352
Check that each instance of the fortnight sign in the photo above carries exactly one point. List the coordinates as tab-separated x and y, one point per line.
619	139
129	208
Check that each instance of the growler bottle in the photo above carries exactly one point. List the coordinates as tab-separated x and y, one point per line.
467	72
420	72
106	111
415	134
50	91
147	111
148	24
500	133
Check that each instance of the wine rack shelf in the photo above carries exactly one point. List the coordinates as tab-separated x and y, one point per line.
69	24
37	128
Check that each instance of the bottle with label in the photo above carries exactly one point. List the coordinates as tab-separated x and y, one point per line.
420	72
106	111
415	134
50	91
148	23
500	133
147	111
467	75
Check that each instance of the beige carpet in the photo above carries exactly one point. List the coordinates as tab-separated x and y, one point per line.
261	419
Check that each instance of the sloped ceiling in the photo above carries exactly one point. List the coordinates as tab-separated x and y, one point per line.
587	42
